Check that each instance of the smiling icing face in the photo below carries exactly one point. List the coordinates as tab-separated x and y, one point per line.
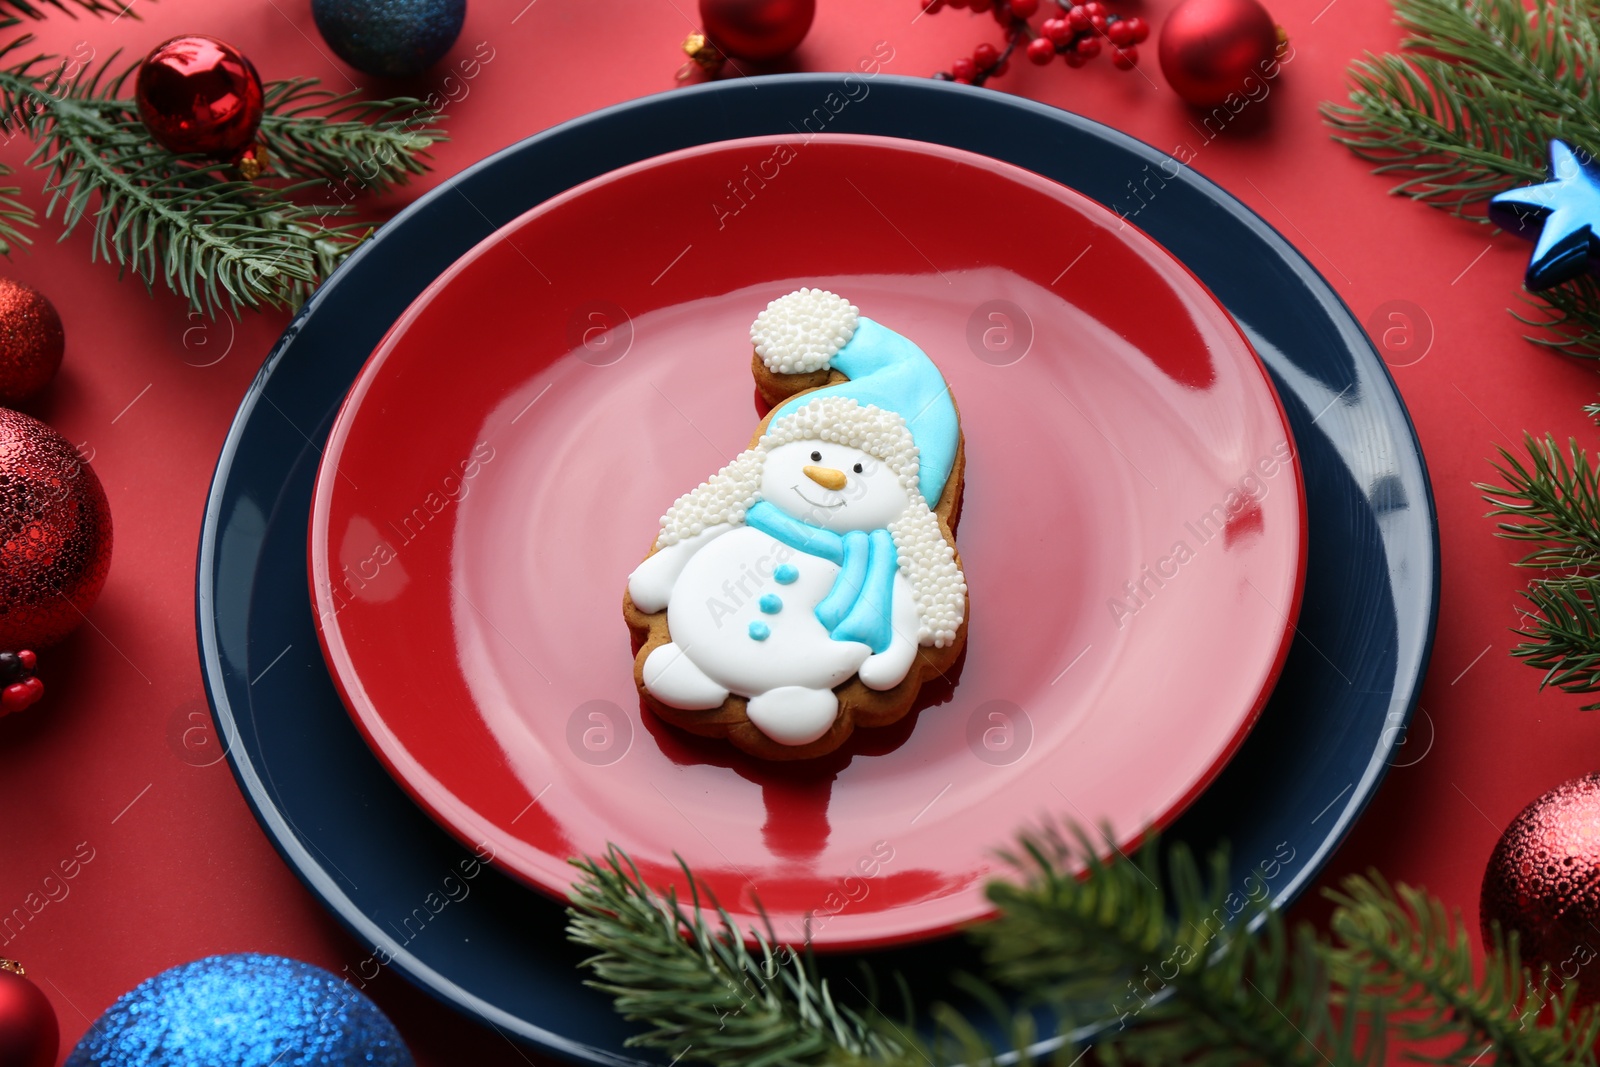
833	486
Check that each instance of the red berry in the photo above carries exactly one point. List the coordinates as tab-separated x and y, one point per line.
963	69
1088	48
1119	33
980	6
15	697
985	56
1140	28
1093	8
930	7
1024	9
1056	29
1073	58
1124	58
28	659
1041	50
1098	23
1078	19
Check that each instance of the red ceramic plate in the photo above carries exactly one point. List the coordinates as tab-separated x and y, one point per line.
1133	531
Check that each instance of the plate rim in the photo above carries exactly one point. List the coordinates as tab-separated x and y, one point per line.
215	673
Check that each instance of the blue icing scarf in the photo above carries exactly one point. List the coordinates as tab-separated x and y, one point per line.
857	607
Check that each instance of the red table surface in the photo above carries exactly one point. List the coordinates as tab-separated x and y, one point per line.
180	869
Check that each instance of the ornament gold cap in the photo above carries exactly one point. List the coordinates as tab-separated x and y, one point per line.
702	53
252	163
1283	41
14	967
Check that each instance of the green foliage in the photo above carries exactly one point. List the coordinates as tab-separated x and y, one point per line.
1178	967
1400	952
12	12
1550	500
185	221
1468	109
698	987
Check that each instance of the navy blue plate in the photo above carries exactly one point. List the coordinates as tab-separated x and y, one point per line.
499	954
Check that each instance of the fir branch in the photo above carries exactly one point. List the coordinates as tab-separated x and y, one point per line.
1218	985
313	133
699	989
1177	968
13	11
1471	108
14	215
1551	501
1468	110
219	242
1399	950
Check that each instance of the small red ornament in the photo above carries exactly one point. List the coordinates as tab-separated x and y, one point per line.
754	30
1543	881
1211	49
200	95
757	29
29	1033
55	534
31	342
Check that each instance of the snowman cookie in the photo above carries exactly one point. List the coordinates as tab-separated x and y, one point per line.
813	584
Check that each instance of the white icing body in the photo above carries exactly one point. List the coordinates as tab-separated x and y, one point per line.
711	605
711	585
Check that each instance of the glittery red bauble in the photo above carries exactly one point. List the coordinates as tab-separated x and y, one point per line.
1543	881
29	1034
31	342
757	29
1213	49
200	95
55	534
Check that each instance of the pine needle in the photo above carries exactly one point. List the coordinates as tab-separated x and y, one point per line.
184	221
1181	969
1468	109
1551	500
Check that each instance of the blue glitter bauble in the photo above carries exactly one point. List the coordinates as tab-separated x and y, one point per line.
392	38
243	1011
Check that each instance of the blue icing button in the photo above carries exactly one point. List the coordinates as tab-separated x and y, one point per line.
786	574
760	631
771	604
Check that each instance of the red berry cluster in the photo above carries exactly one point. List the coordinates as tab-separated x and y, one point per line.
1077	34
18	687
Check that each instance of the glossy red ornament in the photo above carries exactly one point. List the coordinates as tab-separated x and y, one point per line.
757	29
1211	49
31	342
29	1033
55	534
1543	881
200	95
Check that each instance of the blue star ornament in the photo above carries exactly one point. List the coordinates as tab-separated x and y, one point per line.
1559	216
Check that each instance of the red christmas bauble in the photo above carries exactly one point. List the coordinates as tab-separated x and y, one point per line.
31	342
1543	881
200	95
55	534
29	1033
757	29
1212	49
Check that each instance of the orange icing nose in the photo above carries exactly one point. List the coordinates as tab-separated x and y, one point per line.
826	477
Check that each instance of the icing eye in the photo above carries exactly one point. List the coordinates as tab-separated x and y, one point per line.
816	457
857	468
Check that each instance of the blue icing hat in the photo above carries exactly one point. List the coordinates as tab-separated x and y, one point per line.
888	371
